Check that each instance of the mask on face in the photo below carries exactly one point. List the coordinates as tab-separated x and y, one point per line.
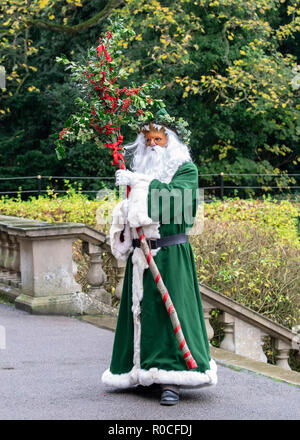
155	136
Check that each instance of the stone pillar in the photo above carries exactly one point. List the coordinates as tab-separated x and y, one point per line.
249	340
96	276
48	284
120	267
15	277
98	300
1	256
206	311
4	256
283	354
228	342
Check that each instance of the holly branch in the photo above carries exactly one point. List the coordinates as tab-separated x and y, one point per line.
104	107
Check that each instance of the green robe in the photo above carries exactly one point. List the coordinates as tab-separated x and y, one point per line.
160	358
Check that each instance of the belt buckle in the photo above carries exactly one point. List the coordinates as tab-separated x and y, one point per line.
152	243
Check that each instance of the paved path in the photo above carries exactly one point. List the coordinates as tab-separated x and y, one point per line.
51	369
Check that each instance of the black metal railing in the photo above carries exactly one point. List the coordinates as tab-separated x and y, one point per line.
62	184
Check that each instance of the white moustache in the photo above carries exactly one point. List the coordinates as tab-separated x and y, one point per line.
153	161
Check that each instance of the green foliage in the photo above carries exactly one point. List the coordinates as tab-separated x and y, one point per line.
277	218
223	70
73	207
250	251
105	109
26	133
225	66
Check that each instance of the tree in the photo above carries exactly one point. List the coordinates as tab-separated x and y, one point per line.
34	105
223	69
227	67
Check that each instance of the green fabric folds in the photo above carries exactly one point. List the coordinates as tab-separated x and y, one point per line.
158	345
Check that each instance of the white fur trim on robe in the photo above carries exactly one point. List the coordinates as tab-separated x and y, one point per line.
184	379
139	264
138	201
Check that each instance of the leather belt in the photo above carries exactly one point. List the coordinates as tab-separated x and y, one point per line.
155	243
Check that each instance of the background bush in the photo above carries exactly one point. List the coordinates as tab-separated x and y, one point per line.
225	66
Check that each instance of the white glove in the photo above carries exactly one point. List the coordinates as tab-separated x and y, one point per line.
123	177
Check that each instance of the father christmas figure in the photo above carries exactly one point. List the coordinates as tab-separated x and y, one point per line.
163	201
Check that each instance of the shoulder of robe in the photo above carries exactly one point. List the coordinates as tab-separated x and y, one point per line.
187	167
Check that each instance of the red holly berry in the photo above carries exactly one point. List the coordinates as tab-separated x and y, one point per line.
61	134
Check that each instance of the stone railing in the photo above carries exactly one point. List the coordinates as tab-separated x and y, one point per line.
37	271
246	331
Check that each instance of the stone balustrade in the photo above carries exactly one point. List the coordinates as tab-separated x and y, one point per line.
246	331
37	271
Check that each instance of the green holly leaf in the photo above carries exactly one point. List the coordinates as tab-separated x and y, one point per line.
60	150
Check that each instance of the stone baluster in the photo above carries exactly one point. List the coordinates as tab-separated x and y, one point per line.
4	256
120	267
74	273
264	337
296	341
1	256
228	342
283	349
12	264
206	311
96	276
15	264
9	257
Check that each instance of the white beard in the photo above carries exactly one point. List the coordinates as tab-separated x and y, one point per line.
159	162
153	162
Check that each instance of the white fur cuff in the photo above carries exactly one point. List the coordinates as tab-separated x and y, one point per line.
138	201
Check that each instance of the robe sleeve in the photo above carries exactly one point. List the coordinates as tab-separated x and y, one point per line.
120	248
177	201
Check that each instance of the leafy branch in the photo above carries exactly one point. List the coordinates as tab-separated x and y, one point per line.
93	21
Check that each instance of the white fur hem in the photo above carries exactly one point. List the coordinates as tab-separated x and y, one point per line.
139	264
184	379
